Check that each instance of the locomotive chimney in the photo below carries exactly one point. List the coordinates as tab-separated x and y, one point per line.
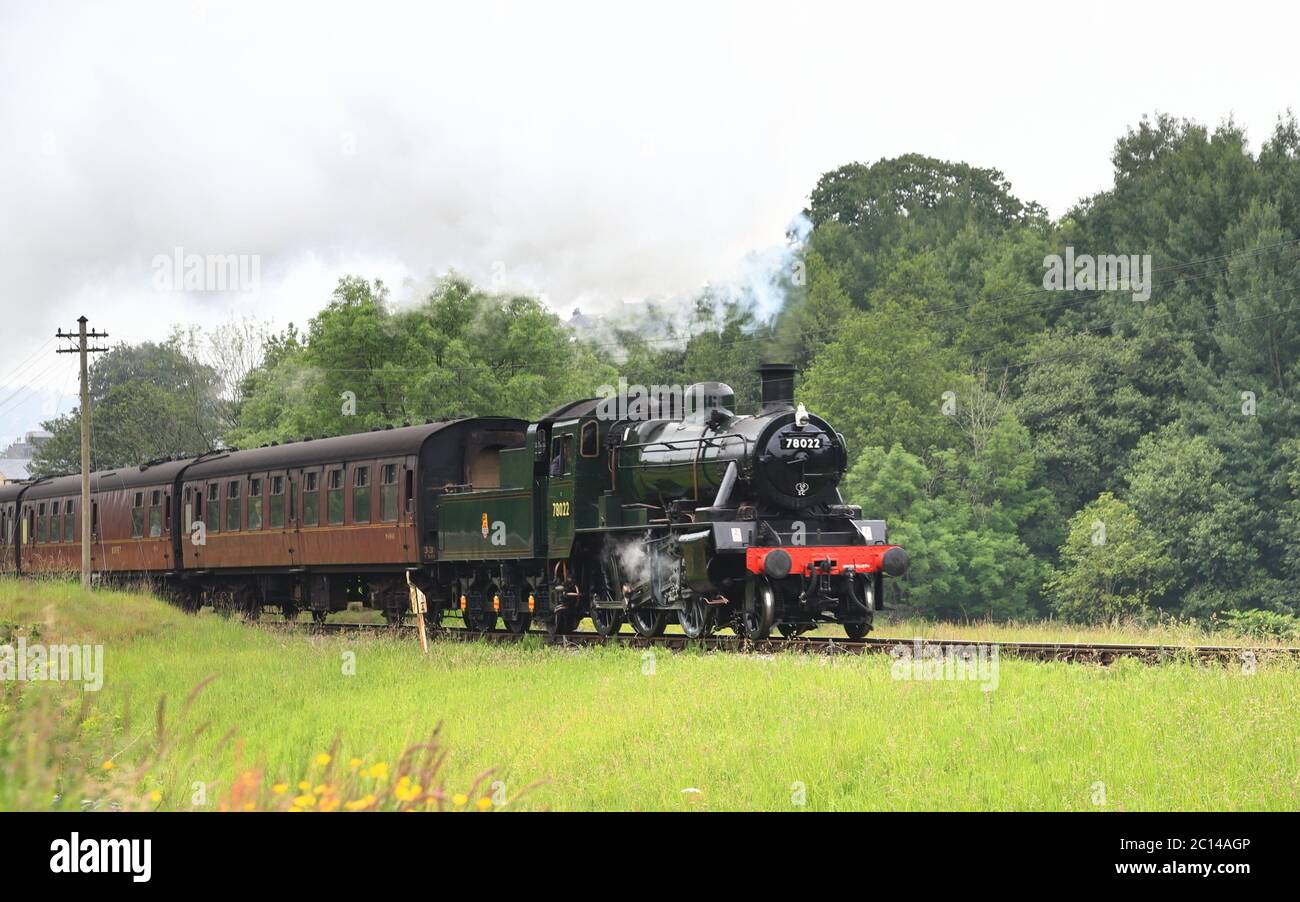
777	381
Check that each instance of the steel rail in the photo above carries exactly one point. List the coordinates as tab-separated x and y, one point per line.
914	648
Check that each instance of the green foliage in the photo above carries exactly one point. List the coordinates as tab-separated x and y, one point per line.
1111	565
1260	624
460	352
1088	400
146	401
882	380
967	520
1178	487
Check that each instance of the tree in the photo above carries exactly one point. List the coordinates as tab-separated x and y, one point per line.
964	519
147	401
1088	399
1179	488
882	381
1259	303
1111	565
866	217
461	352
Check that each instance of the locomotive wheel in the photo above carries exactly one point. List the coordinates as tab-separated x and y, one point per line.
697	618
223	603
793	630
289	613
318	615
757	624
480	621
519	623
647	621
607	585
559	624
607	621
856	630
433	619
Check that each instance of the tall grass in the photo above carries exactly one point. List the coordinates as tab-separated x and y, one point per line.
619	728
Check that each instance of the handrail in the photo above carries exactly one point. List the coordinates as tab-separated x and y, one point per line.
690	445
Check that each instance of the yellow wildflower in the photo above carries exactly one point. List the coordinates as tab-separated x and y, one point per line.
304	786
378	770
155	796
407	791
107	765
305	800
364	802
329	804
460	800
354	763
484	803
323	759
280	788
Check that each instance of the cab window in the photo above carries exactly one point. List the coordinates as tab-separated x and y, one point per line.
562	455
590	441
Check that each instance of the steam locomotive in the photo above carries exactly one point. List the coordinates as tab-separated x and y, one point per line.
682	510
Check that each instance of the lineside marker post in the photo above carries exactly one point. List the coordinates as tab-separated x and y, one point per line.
419	607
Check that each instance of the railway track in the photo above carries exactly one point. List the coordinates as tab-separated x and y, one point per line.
1096	653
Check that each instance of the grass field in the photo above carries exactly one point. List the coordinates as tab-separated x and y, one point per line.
616	728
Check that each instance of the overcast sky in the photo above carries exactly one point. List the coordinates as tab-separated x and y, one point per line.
595	153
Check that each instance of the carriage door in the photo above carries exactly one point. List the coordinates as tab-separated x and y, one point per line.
560	491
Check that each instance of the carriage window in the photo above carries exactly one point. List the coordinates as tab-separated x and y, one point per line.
94	519
213	522
311	500
361	495
410	491
155	514
30	525
137	515
275	513
334	499
254	504
69	522
590	446
41	523
232	506
388	493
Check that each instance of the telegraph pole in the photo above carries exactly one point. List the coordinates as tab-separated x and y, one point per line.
83	350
